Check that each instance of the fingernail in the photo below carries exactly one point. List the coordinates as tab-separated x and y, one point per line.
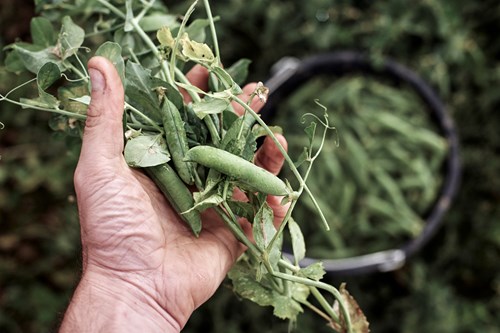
97	80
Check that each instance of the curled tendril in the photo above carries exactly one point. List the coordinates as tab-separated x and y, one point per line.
2	125
324	122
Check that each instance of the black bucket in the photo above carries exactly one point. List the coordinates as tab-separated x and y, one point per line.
291	73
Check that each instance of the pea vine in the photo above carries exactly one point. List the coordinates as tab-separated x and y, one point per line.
151	50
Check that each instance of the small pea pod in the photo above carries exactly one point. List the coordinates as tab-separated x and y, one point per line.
177	194
177	142
238	168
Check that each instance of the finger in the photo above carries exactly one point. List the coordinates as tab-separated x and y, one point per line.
198	76
279	210
256	103
269	155
270	158
103	133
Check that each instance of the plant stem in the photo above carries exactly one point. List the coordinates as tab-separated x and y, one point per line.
142	115
112	8
317	284
317	311
144	37
147	6
194	96
212	30
238	232
179	34
58	111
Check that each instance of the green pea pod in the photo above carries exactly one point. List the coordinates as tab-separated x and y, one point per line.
238	168
177	142
176	193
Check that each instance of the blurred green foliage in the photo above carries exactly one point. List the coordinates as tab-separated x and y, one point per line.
451	286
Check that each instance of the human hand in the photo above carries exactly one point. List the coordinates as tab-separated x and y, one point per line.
142	266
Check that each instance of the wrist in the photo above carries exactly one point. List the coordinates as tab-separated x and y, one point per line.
112	304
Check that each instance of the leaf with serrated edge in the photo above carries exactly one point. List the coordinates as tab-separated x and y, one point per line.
285	307
239	71
359	322
314	271
242	276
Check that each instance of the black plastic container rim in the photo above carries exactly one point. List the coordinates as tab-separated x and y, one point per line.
340	63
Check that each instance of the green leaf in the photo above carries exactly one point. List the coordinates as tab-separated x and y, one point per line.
13	62
259	131
69	93
113	52
210	106
285	307
71	37
239	140
310	132
263	233
298	243
314	271
202	203
263	226
196	30
47	75
242	209
224	77
300	292
45	100
245	285
156	21
239	71
146	151
42	32
228	118
34	59
304	156
140	91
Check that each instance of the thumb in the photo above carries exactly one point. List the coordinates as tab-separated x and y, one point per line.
103	133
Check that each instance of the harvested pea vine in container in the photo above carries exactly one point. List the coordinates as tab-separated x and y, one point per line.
379	176
201	144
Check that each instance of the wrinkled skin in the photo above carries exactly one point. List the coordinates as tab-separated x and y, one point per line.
142	266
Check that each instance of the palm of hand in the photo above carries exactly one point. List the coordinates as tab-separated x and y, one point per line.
154	250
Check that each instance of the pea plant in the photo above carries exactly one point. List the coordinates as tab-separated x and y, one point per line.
202	144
